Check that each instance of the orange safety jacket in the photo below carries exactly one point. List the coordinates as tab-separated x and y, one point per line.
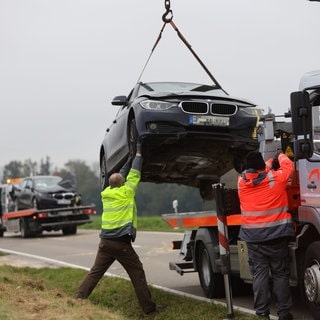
264	202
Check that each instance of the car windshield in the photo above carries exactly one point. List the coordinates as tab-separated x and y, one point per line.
44	182
178	87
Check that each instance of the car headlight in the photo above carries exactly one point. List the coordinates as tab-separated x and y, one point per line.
254	111
157	105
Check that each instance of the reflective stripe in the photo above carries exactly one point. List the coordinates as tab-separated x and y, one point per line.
266	224
108	209
114	224
264	212
271	179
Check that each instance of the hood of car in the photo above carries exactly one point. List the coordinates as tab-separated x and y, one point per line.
194	95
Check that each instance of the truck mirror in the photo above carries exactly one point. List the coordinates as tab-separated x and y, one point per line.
301	113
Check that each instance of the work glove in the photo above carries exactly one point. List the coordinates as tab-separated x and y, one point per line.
133	233
275	162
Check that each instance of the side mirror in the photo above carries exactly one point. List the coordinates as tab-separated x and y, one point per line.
119	101
301	114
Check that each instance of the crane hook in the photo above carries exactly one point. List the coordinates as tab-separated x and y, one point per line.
168	15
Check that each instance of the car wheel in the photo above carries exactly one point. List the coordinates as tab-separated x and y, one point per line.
211	283
132	137
16	205
34	203
206	190
103	173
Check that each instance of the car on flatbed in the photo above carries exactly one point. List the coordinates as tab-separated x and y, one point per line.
45	192
192	133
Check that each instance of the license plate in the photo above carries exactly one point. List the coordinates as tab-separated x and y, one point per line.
209	121
64	201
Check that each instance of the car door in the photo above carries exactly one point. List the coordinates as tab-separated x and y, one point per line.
26	194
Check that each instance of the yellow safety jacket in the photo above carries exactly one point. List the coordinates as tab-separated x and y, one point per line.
119	208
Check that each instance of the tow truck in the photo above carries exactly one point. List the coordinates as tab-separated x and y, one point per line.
200	248
33	222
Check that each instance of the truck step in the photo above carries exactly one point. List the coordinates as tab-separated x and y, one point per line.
182	268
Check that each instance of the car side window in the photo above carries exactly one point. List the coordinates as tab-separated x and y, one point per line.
24	184
27	184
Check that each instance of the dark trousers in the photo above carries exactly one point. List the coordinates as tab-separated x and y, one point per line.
108	252
267	260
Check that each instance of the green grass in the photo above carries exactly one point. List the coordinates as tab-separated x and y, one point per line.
29	293
155	223
46	293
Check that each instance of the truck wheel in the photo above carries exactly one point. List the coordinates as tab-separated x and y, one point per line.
311	279
24	228
69	230
212	283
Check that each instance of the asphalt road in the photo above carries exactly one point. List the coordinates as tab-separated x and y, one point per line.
154	249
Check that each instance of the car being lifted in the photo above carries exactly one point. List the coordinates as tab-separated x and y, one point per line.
192	133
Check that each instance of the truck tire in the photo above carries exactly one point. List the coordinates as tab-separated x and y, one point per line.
69	230
212	283
24	228
311	279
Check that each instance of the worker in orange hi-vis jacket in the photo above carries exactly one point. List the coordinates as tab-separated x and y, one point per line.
266	226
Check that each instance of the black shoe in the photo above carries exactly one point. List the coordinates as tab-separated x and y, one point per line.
288	316
157	308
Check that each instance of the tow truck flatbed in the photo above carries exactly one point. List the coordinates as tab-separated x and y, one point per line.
33	221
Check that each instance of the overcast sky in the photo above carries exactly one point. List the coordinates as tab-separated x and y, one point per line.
62	62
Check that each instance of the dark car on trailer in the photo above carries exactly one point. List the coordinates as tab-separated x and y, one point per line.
192	133
46	192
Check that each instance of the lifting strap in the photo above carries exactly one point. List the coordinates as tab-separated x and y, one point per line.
167	17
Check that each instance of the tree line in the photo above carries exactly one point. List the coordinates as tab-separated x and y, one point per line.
152	199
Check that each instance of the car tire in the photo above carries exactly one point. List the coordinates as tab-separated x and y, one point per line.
16	205
206	190
34	203
103	173
132	137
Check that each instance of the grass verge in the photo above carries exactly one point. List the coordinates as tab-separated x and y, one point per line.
155	223
46	293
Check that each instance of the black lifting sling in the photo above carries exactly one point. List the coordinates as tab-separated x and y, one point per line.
167	17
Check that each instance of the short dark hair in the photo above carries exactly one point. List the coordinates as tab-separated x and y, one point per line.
255	161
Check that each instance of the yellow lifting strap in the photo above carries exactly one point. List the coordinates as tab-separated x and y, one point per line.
167	17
